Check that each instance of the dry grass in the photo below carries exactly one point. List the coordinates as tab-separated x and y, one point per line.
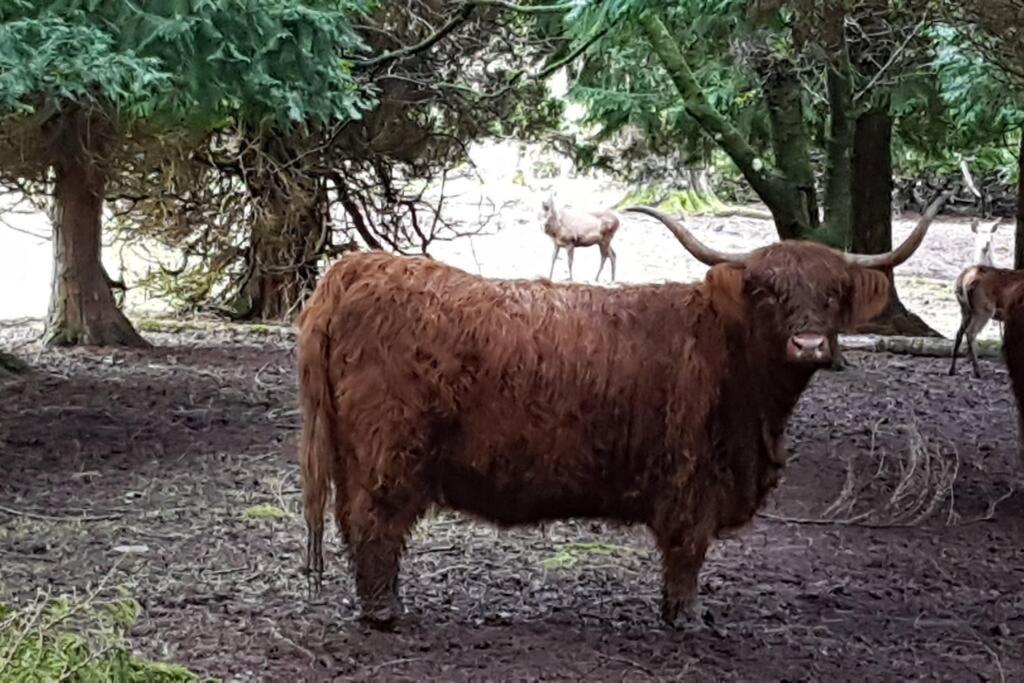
903	488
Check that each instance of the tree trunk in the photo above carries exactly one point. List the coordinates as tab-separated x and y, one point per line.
1018	243
839	150
82	306
784	199
290	233
872	215
284	254
789	139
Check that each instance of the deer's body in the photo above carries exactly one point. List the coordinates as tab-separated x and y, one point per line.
569	229
981	290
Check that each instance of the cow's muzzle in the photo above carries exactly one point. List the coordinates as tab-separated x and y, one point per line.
809	349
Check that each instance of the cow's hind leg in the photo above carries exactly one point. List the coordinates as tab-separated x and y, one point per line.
376	524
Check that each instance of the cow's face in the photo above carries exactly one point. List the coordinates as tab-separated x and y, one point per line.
800	296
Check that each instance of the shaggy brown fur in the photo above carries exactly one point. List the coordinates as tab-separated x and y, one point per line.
526	401
1013	349
980	291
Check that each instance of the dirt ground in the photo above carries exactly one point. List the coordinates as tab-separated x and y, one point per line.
893	549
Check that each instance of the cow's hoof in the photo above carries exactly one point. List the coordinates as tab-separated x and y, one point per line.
683	614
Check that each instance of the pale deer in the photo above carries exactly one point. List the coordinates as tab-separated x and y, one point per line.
569	229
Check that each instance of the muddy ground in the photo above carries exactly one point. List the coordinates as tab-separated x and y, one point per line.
894	548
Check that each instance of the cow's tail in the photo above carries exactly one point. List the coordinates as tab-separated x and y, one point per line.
318	447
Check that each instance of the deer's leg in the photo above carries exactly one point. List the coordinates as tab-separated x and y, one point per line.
568	250
976	325
606	255
554	258
965	318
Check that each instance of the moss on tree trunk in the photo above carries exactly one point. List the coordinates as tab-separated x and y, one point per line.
784	197
82	307
790	144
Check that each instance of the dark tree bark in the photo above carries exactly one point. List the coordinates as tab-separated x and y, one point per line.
790	144
286	243
284	260
872	183
1018	240
82	306
840	137
872	215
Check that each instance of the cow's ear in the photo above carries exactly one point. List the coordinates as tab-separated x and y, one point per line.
870	295
725	281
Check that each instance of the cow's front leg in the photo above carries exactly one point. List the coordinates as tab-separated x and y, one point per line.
681	563
376	569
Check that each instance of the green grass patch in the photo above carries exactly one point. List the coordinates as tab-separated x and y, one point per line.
77	639
687	201
174	326
270	512
571	554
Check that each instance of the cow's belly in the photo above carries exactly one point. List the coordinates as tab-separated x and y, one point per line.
524	502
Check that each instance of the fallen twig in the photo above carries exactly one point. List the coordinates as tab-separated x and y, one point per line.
59	518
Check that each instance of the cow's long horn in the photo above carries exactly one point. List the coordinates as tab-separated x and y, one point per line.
700	251
893	258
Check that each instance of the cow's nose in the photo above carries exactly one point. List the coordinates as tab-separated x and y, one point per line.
809	348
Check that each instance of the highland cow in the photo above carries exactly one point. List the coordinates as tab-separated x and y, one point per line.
527	401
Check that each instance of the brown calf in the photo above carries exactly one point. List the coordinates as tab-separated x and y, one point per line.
980	291
526	401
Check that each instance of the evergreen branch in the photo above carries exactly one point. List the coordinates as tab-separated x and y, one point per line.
524	9
571	57
423	45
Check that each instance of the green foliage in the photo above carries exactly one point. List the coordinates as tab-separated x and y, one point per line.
178	65
77	639
53	59
969	110
642	127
